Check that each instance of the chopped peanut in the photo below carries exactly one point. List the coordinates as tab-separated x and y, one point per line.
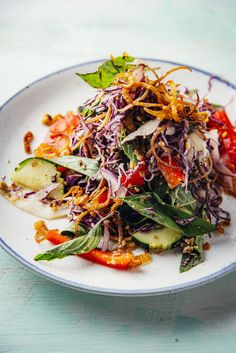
28	138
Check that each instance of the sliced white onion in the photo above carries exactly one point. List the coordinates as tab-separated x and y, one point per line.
146	129
36	207
196	146
43	193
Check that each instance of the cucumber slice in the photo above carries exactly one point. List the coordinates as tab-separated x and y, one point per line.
157	239
36	173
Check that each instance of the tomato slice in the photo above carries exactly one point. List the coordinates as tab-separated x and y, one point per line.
59	141
72	121
60	126
220	120
172	172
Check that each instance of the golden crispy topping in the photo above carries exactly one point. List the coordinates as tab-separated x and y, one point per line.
41	230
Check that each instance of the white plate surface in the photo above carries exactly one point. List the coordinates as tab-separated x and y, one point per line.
57	93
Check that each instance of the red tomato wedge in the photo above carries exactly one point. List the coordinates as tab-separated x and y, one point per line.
105	258
172	172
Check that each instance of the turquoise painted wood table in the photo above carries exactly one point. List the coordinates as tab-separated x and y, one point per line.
41	36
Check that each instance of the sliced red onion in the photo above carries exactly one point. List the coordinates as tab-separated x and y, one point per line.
112	180
138	73
44	193
219	162
106	235
121	192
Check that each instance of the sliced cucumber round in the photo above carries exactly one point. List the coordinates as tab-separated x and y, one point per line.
157	239
36	173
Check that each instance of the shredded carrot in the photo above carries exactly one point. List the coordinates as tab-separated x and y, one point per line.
106	120
81	141
95	118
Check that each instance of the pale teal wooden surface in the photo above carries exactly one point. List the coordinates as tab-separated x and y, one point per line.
38	316
37	37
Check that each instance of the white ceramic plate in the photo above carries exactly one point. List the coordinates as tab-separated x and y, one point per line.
57	93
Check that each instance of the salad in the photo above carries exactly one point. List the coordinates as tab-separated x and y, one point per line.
138	169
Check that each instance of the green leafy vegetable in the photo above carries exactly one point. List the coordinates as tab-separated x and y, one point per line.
147	205
182	198
197	226
105	74
151	206
128	149
76	246
189	260
70	231
86	166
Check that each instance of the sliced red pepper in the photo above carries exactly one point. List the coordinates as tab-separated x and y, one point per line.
56	237
134	177
227	137
61	169
171	171
105	258
103	197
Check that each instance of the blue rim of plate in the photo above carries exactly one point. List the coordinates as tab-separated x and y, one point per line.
117	292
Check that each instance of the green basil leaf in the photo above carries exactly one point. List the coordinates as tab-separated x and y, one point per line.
70	231
128	149
76	246
147	206
181	198
104	76
198	226
86	166
188	261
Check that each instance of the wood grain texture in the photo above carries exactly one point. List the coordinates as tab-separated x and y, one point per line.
39	316
40	36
